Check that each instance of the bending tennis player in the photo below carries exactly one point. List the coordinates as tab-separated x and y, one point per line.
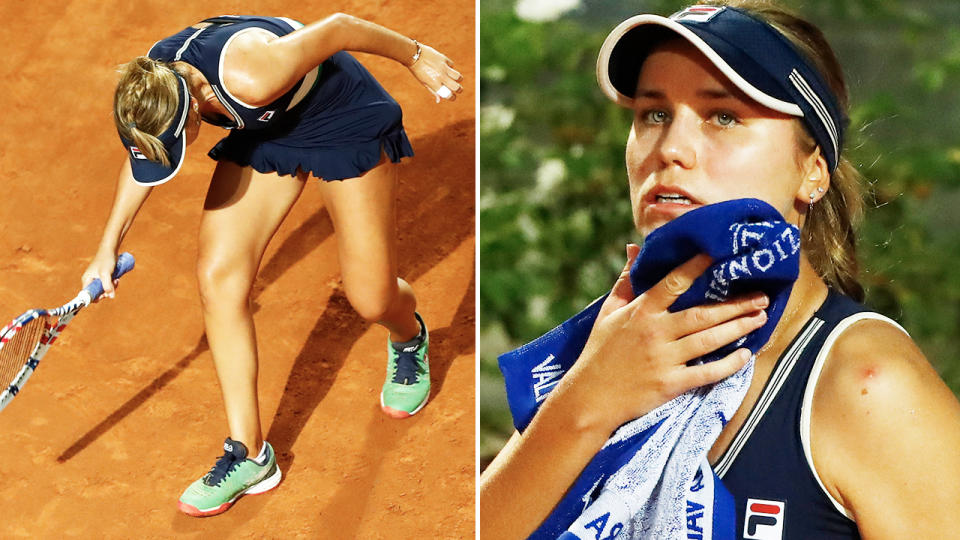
846	431
297	106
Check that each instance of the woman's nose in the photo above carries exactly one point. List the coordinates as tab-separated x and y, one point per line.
679	139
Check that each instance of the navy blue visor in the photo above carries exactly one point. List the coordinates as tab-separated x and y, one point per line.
174	139
753	55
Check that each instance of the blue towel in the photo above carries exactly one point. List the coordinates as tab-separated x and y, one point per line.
651	479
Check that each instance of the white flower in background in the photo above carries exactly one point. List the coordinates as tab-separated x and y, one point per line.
528	228
544	10
495	117
495	73
538	307
550	173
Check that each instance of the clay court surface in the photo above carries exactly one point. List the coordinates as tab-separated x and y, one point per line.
125	411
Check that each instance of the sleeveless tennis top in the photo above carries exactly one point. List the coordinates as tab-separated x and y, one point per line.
203	49
769	467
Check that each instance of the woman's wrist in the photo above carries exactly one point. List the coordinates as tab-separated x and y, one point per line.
107	249
575	403
416	55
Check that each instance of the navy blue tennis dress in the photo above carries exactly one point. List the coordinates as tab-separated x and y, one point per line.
335	123
769	466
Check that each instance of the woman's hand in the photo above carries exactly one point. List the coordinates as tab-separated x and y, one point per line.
101	267
636	357
435	71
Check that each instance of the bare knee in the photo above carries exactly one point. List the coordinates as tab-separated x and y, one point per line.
373	303
223	283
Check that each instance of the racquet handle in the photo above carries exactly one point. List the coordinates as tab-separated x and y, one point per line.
125	264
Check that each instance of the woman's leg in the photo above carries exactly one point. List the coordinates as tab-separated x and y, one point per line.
364	217
242	211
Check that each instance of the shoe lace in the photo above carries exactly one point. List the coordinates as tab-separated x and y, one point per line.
407	367
222	469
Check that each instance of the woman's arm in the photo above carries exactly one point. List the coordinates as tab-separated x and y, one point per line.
259	68
885	435
128	199
614	380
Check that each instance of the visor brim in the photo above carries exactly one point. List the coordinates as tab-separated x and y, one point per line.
627	46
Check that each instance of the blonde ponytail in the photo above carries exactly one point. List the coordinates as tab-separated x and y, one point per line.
145	103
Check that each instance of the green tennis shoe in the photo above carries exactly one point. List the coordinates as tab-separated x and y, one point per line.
233	475
407	386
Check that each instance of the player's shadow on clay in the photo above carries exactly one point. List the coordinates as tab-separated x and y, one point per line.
441	177
349	502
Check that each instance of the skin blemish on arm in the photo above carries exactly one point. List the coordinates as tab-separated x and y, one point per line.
868	375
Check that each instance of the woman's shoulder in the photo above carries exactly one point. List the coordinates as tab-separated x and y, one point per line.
875	370
245	59
882	419
871	361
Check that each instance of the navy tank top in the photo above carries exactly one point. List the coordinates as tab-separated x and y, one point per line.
203	49
768	467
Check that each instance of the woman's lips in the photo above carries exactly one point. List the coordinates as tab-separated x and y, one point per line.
669	205
668	210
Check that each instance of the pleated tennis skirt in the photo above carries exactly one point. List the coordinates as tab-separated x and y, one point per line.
339	130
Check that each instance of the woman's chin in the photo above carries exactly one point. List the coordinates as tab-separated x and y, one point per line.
657	215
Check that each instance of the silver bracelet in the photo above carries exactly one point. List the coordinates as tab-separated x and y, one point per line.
416	55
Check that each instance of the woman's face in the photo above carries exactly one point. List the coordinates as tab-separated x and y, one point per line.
696	139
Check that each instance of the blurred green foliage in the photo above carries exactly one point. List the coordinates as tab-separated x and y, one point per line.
554	207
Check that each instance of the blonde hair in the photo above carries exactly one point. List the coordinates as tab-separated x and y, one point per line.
145	103
829	236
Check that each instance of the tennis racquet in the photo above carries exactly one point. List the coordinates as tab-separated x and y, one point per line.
27	338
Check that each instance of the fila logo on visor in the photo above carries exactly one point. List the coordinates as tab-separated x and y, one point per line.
764	520
697	13
265	117
135	152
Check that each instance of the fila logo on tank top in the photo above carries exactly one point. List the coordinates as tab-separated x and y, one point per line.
764	520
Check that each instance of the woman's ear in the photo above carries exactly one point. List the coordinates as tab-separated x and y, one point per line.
816	178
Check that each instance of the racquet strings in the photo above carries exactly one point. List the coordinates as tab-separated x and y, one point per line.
15	352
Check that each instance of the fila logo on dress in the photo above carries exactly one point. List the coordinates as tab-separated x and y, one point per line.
764	520
265	117
135	152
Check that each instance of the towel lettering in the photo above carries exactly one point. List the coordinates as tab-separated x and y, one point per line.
739	264
757	255
694	513
794	241
600	525
759	261
748	234
743	237
697	482
545	377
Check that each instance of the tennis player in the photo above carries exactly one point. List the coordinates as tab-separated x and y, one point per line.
297	106
846	430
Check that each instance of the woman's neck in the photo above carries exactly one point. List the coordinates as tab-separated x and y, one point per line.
809	292
201	90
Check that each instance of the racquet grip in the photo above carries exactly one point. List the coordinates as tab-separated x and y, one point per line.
125	264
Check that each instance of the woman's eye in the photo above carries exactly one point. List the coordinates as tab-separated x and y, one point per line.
655	116
725	119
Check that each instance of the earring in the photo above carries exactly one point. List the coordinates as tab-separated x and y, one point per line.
813	195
